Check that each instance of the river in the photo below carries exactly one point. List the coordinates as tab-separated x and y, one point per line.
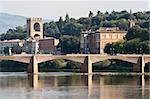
65	85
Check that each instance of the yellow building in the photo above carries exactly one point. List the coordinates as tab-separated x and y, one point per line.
94	42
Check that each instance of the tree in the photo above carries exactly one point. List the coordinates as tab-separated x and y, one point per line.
141	15
145	47
17	33
51	29
96	21
113	16
122	24
108	24
60	24
90	14
57	63
119	47
72	29
69	44
131	46
145	24
67	19
114	48
98	13
86	22
137	32
72	65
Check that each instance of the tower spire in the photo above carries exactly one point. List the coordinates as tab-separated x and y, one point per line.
131	21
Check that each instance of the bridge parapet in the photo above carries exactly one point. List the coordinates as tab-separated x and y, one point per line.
86	59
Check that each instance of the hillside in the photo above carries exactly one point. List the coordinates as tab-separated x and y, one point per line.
8	21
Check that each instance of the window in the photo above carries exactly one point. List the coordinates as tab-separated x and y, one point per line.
97	37
97	45
117	36
104	36
37	27
110	36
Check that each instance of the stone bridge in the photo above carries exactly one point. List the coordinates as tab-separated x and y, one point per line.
87	60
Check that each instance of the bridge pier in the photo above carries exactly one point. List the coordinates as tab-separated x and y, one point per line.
33	66
139	67
86	67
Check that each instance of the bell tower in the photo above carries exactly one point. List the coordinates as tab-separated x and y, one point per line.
35	28
132	22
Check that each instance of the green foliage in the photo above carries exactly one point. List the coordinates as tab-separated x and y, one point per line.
108	24
122	24
17	33
51	29
7	65
100	65
137	32
112	65
69	44
54	64
72	65
141	15
67	19
71	26
145	47
114	48
90	14
131	46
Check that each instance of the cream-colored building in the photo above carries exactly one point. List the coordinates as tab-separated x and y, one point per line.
94	42
9	44
35	28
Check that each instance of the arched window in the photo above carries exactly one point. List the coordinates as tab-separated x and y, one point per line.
37	27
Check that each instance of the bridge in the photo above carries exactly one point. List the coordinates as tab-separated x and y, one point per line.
87	60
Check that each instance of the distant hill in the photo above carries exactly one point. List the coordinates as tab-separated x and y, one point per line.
8	21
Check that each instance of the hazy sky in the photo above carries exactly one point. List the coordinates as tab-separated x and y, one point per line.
52	9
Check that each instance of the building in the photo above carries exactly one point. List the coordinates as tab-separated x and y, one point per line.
31	47
94	42
35	28
35	42
7	45
48	45
132	23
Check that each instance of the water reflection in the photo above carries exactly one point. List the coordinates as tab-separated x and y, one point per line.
142	80
33	81
75	86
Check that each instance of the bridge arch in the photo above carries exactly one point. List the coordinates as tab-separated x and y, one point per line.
79	59
121	58
22	59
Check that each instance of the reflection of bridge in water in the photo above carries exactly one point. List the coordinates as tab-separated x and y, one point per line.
109	88
87	60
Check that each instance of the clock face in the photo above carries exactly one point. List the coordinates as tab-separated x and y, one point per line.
37	27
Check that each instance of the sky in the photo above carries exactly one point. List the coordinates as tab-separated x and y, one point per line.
53	9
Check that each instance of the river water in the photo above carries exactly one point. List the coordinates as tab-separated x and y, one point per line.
62	85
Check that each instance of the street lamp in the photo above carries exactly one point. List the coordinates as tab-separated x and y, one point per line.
141	50
112	50
137	51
